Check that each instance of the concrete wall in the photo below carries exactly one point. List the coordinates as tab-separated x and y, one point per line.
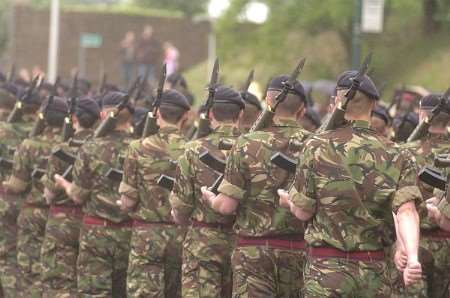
30	31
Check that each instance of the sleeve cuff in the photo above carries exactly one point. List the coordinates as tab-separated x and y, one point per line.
404	195
302	201
16	184
444	207
231	190
79	192
128	191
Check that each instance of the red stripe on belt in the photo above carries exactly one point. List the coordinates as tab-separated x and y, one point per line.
137	223
215	225
69	210
329	252
281	243
97	221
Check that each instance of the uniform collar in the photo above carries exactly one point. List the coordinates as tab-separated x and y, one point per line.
226	130
286	122
168	129
361	124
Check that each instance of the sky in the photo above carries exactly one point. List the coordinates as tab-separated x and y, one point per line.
255	11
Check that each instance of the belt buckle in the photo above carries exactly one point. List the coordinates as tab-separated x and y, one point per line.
370	256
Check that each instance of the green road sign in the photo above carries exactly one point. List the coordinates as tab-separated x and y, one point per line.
91	40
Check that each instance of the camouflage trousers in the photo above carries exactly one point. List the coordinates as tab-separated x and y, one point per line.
103	261
9	273
434	255
59	255
335	277
30	236
260	271
206	270
154	268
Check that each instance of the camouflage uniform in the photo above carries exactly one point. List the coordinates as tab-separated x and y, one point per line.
352	180
206	249
273	267
434	242
11	135
31	154
154	268
60	247
106	230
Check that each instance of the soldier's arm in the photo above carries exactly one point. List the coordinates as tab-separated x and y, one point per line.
52	189
129	196
183	194
440	214
221	203
20	178
83	178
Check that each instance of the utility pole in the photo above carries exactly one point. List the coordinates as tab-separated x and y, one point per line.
356	34
53	42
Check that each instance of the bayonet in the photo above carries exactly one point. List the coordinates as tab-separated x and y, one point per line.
16	113
151	126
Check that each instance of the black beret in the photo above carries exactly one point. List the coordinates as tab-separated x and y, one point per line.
87	105
112	99
57	105
428	102
21	82
251	99
47	86
382	113
411	117
175	79
83	86
140	113
277	83
175	98
228	95
34	99
313	116
11	88
367	86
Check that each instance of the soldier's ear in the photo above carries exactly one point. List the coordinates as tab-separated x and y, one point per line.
103	114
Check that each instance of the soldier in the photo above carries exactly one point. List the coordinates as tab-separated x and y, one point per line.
106	230
29	160
11	135
434	242
347	187
311	121
60	247
403	125
154	268
251	112
380	121
269	254
206	249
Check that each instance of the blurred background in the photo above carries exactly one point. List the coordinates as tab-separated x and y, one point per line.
410	39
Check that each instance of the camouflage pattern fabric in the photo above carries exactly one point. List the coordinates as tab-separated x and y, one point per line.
206	251
374	177
60	247
102	261
251	178
261	272
155	256
103	252
31	154
11	135
346	278
433	250
154	268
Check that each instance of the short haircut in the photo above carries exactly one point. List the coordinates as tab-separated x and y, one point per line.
171	113
225	112
86	120
441	120
54	118
290	106
360	103
123	117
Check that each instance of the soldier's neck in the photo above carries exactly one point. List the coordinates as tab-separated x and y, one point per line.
437	130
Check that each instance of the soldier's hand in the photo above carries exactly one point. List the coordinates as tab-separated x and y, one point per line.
62	182
49	195
412	273
207	196
433	213
400	259
284	198
179	219
433	201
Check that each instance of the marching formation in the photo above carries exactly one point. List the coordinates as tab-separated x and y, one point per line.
129	193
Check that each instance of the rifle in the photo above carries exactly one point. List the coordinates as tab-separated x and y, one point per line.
266	117
151	127
12	73
68	130
114	175
248	82
40	124
67	157
103	80
143	84
6	164
217	164
166	182
422	129
204	123
16	113
403	122
433	177
337	117
110	122
397	99
285	162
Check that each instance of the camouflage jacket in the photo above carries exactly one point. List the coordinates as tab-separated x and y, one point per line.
32	154
57	166
11	135
425	151
192	174
253	180
90	183
145	162
352	180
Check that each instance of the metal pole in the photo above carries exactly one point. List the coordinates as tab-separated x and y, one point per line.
53	42
356	34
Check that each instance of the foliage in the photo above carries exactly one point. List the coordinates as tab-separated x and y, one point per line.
187	7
